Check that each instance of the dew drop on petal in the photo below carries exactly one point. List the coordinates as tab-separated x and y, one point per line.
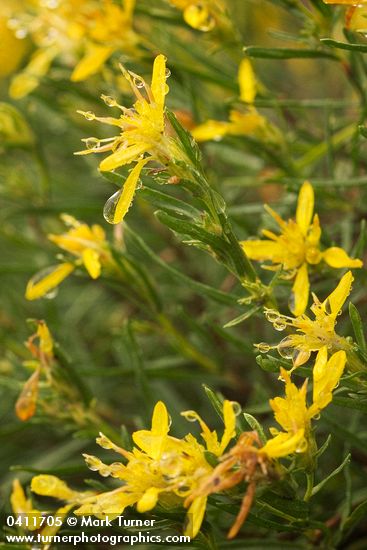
52	294
138	81
327	306
167	73
21	33
280	324
191	416
237	409
285	348
263	347
89	115
109	208
271	315
92	143
109	101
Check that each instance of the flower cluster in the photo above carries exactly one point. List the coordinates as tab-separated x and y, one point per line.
166	470
86	245
84	33
297	249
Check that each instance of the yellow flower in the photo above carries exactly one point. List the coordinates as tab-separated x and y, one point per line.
24	508
312	334
199	14
12	50
292	413
42	352
142	137
239	124
160	467
296	248
86	243
66	29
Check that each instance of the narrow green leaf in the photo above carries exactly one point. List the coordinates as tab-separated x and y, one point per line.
356	517
201	288
344	45
168	203
357	327
255	425
286	53
242	317
349	403
335	472
188	143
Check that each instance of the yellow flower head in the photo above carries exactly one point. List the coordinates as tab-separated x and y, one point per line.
86	244
201	15
142	137
41	345
296	248
312	334
159	467
67	28
292	412
240	123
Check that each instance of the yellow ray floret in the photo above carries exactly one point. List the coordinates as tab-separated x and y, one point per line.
312	334
297	247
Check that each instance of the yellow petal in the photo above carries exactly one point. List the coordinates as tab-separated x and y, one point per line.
91	262
148	500
26	404
12	49
52	486
92	62
337	257
211	130
51	530
46	341
244	124
247	81
123	156
158	85
262	250
28	80
300	292
305	207
45	281
229	419
210	438
337	298
126	198
152	441
283	444
195	516
199	17
326	376
21	505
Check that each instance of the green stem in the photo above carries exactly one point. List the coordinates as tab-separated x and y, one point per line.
184	346
310	477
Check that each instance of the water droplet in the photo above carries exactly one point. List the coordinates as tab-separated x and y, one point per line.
237	409
302	447
92	143
109	208
138	81
21	33
271	315
13	23
292	301
327	306
89	115
217	138
280	324
167	73
263	347
52	294
285	348
109	101
191	416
